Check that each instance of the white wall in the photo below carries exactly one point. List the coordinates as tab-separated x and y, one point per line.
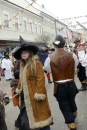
11	33
24	4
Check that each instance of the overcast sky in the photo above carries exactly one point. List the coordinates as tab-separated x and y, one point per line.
66	8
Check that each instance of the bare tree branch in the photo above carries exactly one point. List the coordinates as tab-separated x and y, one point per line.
43	39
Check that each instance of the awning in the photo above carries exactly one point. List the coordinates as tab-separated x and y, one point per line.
3	44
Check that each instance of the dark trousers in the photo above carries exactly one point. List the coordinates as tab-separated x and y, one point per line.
2	122
82	73
65	95
45	128
25	122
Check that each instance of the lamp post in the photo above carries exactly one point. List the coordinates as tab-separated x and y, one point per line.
55	26
34	1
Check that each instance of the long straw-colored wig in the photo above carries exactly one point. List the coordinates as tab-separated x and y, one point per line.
30	61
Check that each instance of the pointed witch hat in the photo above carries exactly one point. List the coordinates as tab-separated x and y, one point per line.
22	41
24	45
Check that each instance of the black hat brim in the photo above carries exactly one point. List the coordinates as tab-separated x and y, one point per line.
76	40
34	49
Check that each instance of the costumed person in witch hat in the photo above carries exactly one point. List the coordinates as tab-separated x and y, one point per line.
34	105
80	52
43	54
62	65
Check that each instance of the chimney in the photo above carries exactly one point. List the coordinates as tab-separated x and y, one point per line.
43	5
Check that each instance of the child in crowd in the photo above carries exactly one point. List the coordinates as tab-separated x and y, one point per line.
4	100
13	85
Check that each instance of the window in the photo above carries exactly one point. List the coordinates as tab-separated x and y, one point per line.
25	25
30	27
35	28
0	20
45	22
53	25
6	20
39	29
45	33
16	23
48	23
48	34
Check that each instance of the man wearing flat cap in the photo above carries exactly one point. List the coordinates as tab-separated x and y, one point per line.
80	52
62	65
76	40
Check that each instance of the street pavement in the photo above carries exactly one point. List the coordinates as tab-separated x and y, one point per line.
59	124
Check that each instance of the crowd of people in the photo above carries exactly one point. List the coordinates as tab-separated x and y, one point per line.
30	66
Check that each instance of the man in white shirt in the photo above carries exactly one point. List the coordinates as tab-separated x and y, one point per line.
7	67
80	52
62	65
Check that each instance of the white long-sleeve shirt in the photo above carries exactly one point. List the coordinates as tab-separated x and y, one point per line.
48	68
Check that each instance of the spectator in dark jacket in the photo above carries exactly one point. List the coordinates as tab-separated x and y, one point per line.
43	54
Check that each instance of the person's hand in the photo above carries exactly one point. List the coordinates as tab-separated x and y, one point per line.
1	105
4	69
0	102
45	71
6	101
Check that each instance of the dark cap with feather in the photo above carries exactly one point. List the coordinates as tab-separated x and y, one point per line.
59	41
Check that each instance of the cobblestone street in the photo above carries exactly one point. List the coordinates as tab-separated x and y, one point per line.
81	100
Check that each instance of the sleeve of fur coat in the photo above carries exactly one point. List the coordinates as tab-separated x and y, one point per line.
40	88
18	90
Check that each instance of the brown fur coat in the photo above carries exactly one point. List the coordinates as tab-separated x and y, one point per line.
35	96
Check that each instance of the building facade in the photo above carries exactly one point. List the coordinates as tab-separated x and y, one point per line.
21	19
16	21
84	34
48	28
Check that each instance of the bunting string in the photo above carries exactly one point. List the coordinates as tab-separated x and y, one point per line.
7	21
71	18
19	24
